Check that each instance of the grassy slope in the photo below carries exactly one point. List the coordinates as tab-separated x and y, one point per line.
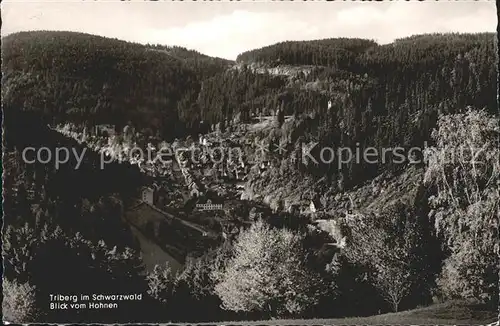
451	313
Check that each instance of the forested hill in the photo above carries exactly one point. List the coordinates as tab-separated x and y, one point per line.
338	52
205	66
423	72
352	53
93	79
390	88
381	95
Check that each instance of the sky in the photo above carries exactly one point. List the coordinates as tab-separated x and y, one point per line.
225	29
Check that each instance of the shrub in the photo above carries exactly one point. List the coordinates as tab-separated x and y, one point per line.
18	302
161	283
392	247
267	274
464	168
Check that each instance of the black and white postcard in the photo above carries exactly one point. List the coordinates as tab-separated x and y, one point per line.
265	162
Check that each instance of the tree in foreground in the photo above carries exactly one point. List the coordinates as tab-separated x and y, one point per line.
464	169
193	286
46	256
267	274
161	283
18	304
394	283
391	247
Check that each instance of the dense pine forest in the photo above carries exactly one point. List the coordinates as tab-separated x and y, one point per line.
382	237
94	80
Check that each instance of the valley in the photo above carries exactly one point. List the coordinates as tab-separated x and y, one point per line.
221	185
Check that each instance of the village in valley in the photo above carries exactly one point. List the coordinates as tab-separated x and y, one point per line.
195	197
298	179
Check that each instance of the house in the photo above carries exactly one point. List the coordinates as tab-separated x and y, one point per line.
209	206
160	196
240	185
195	192
105	129
147	195
315	205
202	141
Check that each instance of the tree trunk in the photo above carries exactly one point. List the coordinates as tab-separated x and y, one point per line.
271	312
395	306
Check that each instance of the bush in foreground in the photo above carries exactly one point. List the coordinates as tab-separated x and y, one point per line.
267	274
18	302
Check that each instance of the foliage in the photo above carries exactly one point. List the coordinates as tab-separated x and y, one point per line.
381	96
18	305
197	273
193	287
53	261
392	247
471	273
161	283
91	79
464	168
204	65
389	95
338	52
464	163
395	90
78	198
267	273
